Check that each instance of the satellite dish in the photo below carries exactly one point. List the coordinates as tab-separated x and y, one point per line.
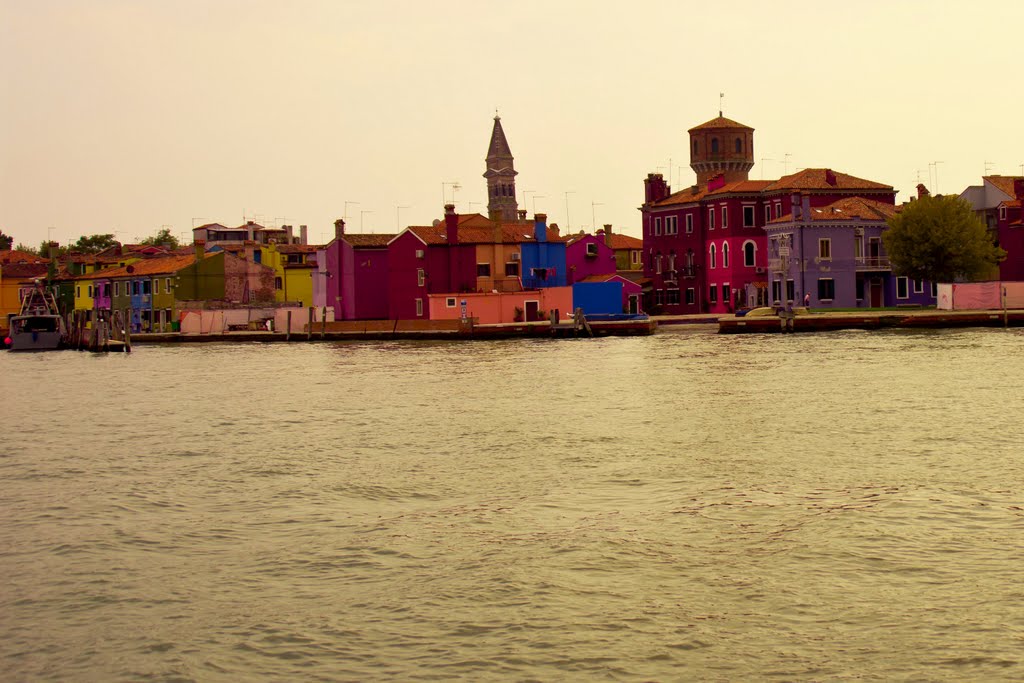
436	222
130	269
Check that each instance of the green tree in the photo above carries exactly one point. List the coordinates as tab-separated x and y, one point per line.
27	249
93	244
164	239
940	239
6	241
46	251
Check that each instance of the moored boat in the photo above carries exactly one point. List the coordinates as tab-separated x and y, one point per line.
39	326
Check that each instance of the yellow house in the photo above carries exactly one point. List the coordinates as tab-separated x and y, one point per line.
84	300
294	267
14	277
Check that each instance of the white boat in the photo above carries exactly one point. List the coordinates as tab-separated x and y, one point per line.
39	326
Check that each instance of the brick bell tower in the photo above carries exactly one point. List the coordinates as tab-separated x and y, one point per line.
721	146
501	177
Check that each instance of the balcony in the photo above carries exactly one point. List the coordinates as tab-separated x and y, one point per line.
873	263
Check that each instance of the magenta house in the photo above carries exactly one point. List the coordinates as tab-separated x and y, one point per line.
588	255
1010	228
352	275
426	260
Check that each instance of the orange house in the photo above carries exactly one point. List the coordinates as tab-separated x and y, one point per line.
489	308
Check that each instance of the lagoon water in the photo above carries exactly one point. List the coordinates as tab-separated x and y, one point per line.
686	506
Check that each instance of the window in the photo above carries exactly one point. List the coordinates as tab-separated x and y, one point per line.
421	277
89	290
634	257
825	248
694	146
935	290
135	287
767	213
1002	213
419	307
659	297
539	273
918	286
826	289
672	296
711	219
689	223
859	288
117	289
657	227
713	293
777	291
725	254
748	216
725	294
145	286
714	145
790	290
725	216
278	284
591	249
778	209
901	288
449	302
739	146
78	292
671	225
420	253
657	264
749	254
672	261
483	270
711	256
167	286
690	296
512	269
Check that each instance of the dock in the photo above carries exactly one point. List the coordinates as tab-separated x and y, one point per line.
868	320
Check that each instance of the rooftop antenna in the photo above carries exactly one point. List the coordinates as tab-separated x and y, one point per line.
567	193
764	159
785	163
345	216
936	165
593	219
721	96
398	213
988	167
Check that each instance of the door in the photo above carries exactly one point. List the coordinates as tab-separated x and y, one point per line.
877	299
634	304
532	310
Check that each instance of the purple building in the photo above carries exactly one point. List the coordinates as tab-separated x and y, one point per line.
589	255
352	275
832	256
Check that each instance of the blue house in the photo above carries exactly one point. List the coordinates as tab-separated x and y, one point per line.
543	259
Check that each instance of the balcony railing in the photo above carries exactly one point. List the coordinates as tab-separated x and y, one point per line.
873	263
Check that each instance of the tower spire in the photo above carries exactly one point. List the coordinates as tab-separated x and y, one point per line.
501	175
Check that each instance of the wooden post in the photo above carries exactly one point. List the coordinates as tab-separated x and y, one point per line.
288	329
323	322
309	326
128	331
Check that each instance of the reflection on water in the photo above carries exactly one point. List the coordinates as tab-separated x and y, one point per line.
683	506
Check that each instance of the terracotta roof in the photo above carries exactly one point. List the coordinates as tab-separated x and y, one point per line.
1013	204
818	179
369	240
753	186
512	233
846	209
603	277
16	256
626	242
22	271
155	266
212	226
695	193
719	122
297	248
692	194
1003	182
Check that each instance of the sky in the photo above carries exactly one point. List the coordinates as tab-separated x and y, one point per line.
125	117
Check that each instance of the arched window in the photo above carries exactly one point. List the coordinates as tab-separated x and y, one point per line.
672	260
749	252
739	145
711	256
689	258
714	145
725	254
694	146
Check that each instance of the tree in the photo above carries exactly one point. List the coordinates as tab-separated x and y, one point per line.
940	239
93	244
50	252
6	241
27	249
164	239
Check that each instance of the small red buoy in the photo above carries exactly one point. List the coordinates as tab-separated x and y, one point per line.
8	341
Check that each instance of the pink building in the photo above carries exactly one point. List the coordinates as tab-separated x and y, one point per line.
1010	228
352	275
588	255
705	245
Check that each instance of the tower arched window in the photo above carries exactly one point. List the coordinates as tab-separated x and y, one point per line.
694	146
725	254
711	256
749	253
714	145
739	145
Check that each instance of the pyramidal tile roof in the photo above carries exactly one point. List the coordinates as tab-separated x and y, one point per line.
499	145
720	122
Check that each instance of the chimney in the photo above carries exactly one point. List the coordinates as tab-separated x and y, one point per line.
249	246
655	188
249	231
608	235
451	224
806	208
200	249
289	234
540	227
339	228
554	230
303	234
1018	188
716	181
522	215
830	177
922	191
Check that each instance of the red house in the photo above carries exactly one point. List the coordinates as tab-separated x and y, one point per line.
1010	227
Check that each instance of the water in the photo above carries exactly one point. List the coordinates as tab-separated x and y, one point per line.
679	507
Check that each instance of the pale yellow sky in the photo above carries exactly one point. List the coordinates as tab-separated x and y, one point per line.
126	116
